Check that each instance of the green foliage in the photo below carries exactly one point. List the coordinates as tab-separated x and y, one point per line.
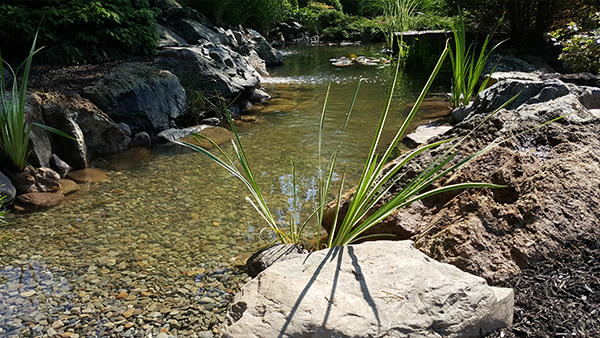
80	31
581	48
2	210
261	15
14	130
467	66
527	21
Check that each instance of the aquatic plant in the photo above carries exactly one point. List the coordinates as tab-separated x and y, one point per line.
466	68
14	130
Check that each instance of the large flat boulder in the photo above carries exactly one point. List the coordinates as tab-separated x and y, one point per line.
210	68
376	289
146	98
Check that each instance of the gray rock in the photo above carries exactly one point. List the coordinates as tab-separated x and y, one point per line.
140	140
167	4
6	188
423	134
125	127
272	56
60	166
258	96
375	289
210	68
290	30
218	135
39	139
145	98
212	121
96	134
259	64
194	32
264	258
35	180
581	79
168	38
176	13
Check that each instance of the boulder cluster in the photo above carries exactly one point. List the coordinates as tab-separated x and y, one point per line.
134	102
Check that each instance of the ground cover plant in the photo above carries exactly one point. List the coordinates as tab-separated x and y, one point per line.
79	31
580	45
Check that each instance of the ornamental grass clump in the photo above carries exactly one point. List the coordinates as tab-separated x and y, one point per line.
466	67
14	130
373	181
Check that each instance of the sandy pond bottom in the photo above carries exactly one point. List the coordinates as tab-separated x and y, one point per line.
155	250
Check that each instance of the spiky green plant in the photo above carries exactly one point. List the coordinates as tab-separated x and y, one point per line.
466	68
14	130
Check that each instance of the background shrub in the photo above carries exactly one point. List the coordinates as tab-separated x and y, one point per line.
78	31
581	45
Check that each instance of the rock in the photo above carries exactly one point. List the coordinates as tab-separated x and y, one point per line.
38	200
76	116
259	64
6	188
211	68
125	127
376	289
218	135
211	121
35	180
264	258
177	13
88	175
290	30
168	38
196	33
167	4
581	79
552	176
145	98
258	96
538	63
39	139
68	187
60	166
524	76
140	140
272	56
423	134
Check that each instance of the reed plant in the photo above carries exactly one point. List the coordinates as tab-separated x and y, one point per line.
367	206
467	66
14	129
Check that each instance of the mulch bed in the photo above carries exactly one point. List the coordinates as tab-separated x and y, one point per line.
560	296
74	78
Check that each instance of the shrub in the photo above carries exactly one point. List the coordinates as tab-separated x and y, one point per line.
581	48
80	31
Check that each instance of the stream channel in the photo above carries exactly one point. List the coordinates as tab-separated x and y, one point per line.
159	247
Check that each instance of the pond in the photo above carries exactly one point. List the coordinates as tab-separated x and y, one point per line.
159	247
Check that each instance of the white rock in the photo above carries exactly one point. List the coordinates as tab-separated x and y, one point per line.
375	289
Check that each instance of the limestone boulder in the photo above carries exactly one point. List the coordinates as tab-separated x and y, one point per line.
146	98
210	68
551	174
376	289
96	134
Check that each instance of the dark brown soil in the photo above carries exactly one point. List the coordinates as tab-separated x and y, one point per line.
75	78
559	297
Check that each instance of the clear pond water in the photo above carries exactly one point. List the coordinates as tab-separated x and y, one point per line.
157	247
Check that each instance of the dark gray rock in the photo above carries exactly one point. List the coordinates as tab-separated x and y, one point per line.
210	68
290	30
264	258
168	38
167	4
175	13
125	127
60	166
96	134
581	79
140	140
6	188
146	98
374	289
39	139
255	61
194	33
272	56
258	96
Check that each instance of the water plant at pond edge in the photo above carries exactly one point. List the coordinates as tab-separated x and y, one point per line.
15	131
466	69
370	189
2	211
